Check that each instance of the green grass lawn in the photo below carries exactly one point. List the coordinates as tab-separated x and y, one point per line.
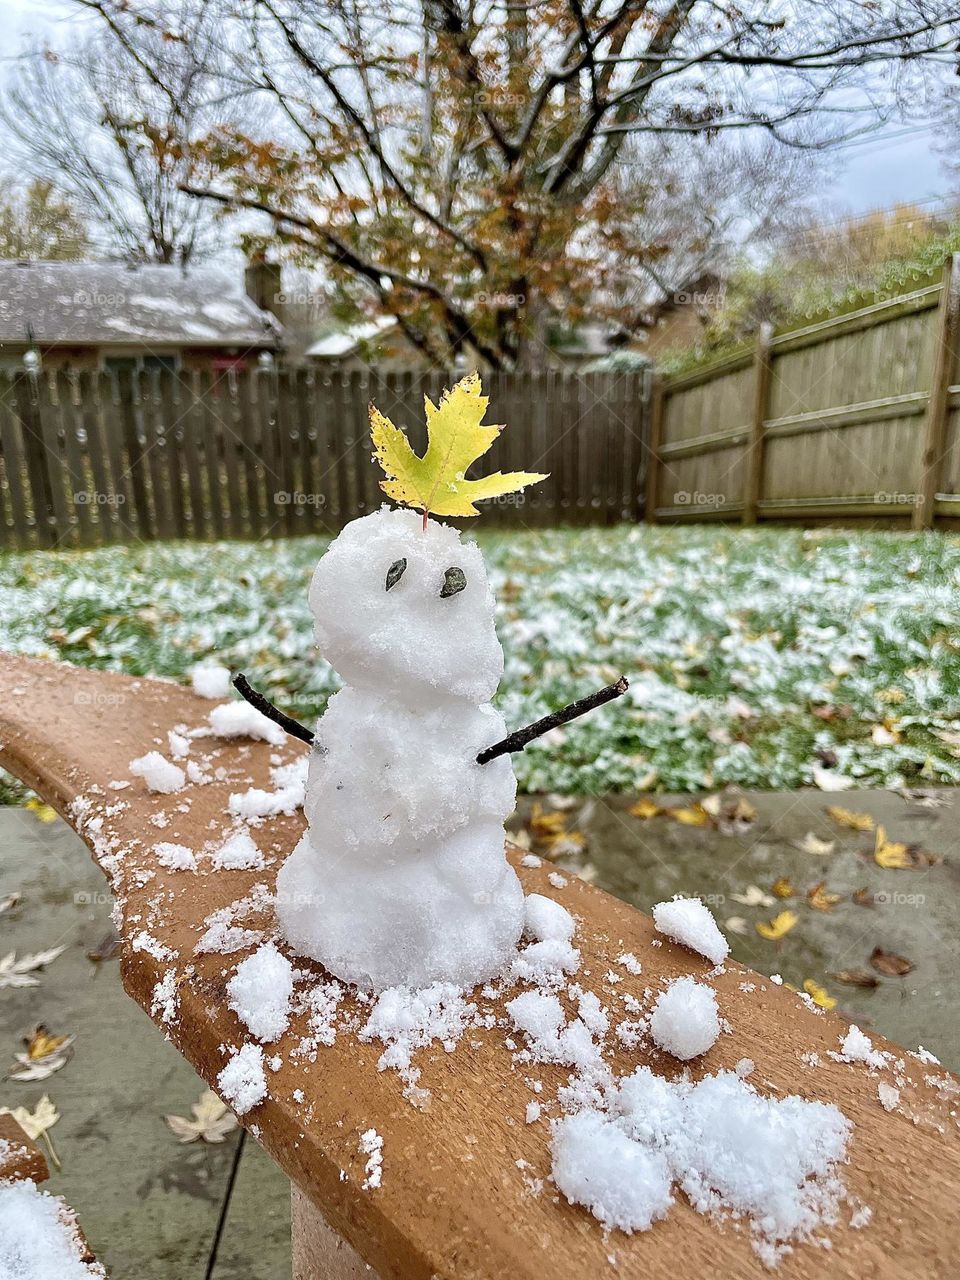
753	656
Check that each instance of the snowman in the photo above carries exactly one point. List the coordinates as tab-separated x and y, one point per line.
401	876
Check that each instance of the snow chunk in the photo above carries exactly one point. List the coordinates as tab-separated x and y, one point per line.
238	853
731	1150
38	1236
371	1144
175	857
856	1047
688	921
242	1082
622	1183
546	962
545	919
630	963
159	773
888	1095
240	720
406	1020
210	680
260	992
684	1019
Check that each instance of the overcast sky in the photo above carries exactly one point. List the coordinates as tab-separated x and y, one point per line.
895	166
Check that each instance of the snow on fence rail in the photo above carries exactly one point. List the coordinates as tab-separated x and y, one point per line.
856	416
88	457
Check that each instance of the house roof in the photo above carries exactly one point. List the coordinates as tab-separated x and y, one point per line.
344	342
109	304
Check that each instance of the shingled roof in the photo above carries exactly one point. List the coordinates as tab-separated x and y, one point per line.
106	304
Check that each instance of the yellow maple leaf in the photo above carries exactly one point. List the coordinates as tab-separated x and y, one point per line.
820	996
782	888
455	439
644	808
891	854
847	818
778	927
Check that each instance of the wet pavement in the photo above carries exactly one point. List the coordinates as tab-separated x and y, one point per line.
151	1207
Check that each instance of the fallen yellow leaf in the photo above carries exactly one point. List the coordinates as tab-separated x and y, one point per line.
644	808
819	995
819	899
778	927
891	854
690	816
782	888
847	818
45	812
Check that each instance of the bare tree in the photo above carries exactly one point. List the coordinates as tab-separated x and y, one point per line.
113	131
454	162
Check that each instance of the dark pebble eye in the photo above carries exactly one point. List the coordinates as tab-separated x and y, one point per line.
454	580
395	573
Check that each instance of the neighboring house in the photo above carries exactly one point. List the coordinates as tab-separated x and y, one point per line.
104	315
676	321
379	342
382	343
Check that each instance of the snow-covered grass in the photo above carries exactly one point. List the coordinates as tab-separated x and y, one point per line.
730	638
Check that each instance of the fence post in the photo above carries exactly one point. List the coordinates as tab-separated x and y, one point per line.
29	411
651	490
753	478
938	405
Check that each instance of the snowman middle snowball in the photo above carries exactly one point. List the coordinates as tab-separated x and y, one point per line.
401	876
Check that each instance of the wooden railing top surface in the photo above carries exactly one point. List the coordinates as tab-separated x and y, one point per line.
455	1200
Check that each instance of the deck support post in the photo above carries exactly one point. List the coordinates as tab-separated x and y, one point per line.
318	1252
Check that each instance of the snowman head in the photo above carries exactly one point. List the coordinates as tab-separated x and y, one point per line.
407	611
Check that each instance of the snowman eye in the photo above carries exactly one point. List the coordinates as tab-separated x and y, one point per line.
454	580
395	573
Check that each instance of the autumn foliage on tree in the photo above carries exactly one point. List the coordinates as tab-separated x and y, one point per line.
454	163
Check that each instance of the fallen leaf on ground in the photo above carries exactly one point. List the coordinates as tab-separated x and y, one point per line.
778	927
753	896
35	1124
8	902
19	973
827	780
108	948
45	812
212	1121
45	1055
864	897
693	815
813	844
890	964
820	996
783	888
848	818
736	924
856	977
882	736
893	855
820	900
645	808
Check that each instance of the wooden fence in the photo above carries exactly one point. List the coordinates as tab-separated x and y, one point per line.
856	416
87	458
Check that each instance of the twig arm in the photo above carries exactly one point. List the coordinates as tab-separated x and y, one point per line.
517	740
266	707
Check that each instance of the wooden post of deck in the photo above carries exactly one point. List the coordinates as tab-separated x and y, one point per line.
318	1252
